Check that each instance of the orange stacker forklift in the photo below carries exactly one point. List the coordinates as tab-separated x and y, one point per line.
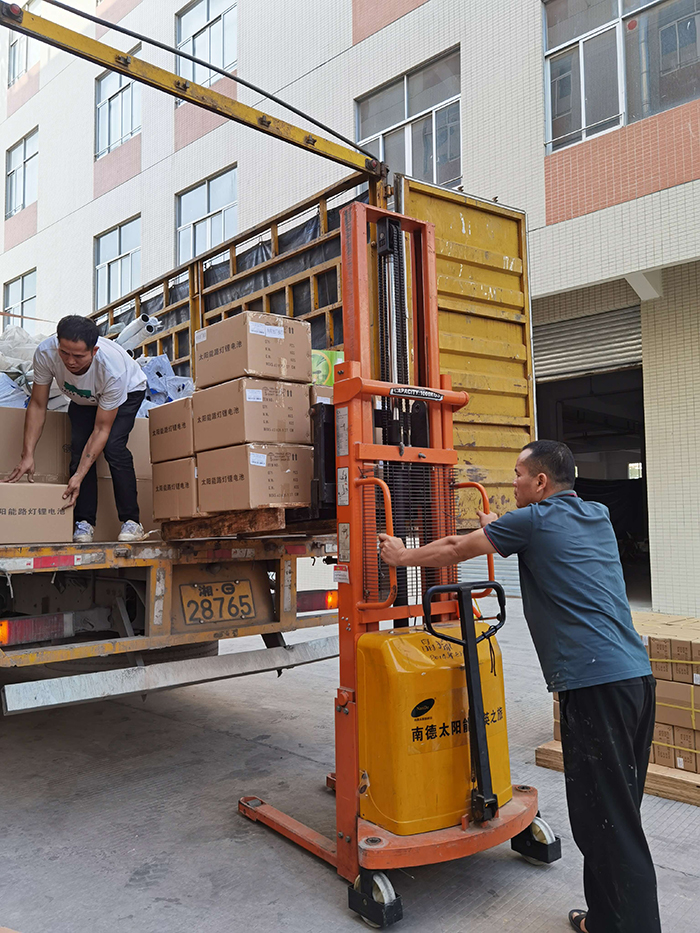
422	768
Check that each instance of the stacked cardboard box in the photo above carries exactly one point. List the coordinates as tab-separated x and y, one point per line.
33	507
242	441
673	646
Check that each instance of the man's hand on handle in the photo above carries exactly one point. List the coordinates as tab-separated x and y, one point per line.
391	550
24	467
71	493
485	519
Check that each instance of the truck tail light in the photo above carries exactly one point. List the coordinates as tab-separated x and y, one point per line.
29	629
317	600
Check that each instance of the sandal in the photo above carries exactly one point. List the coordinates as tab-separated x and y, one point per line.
576	918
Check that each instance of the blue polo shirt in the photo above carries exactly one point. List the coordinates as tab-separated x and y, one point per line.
573	591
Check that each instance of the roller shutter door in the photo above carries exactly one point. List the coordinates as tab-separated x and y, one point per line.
597	343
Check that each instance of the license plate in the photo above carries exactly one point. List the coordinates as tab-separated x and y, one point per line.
231	601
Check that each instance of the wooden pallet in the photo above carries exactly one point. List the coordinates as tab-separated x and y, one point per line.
670	783
247	522
225	524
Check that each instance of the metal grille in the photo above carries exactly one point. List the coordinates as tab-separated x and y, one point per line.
423	503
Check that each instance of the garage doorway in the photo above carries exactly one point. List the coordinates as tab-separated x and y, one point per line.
601	418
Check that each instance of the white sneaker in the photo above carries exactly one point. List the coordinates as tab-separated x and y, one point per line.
84	533
132	531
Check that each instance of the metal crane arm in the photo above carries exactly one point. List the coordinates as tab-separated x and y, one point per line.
68	40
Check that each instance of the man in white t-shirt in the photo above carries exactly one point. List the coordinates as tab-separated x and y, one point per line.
106	388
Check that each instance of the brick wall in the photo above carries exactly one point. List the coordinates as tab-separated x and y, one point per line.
656	153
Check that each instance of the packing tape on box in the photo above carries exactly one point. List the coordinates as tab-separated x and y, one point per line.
686	709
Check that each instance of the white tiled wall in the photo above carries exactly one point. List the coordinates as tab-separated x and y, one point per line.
671	346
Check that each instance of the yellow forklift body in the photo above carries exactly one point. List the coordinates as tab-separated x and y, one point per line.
413	717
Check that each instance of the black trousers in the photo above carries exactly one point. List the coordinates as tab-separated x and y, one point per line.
117	455
606	734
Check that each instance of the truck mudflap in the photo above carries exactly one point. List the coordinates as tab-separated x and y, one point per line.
30	696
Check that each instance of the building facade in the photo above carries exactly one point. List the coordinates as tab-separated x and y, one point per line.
584	113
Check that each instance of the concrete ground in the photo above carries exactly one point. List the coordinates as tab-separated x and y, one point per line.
122	816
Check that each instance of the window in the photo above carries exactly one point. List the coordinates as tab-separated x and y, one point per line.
206	216
611	62
662	60
635	471
20	303
21	181
208	30
118	101
117	262
23	52
413	124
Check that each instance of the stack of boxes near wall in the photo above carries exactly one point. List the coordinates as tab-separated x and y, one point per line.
242	440
673	646
30	513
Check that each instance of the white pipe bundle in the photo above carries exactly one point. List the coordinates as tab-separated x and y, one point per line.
115	329
138	338
156	324
130	330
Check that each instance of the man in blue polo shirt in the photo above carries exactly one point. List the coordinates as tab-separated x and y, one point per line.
577	611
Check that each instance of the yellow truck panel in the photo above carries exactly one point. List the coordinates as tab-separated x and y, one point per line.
485	343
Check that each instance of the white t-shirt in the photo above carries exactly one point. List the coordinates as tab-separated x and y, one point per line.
112	374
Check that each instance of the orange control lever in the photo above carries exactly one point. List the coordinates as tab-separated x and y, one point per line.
487	509
375	481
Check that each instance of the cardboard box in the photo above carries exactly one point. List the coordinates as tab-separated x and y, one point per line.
30	513
254	476
171	431
52	454
652	755
659	650
108	525
320	395
557	714
140	450
251	411
253	343
677	704
175	489
684	751
695	655
557	731
663	740
681	658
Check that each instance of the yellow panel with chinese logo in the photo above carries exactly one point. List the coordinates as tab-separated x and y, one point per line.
413	729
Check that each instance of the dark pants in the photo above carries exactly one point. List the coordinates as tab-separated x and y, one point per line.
117	455
606	734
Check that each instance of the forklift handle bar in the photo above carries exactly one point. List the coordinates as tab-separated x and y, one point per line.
487	510
393	587
468	590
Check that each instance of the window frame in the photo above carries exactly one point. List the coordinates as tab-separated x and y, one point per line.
179	43
10	174
618	23
118	259
407	122
26	43
21	316
179	226
124	82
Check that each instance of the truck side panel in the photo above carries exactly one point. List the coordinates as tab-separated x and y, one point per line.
484	333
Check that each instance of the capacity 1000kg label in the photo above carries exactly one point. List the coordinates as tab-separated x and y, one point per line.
231	601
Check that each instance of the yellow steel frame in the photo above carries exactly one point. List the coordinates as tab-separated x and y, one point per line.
100	54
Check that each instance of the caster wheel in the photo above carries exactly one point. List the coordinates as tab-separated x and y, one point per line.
538	844
543	833
382	893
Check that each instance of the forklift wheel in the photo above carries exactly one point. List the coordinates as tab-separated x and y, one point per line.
382	893
538	844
